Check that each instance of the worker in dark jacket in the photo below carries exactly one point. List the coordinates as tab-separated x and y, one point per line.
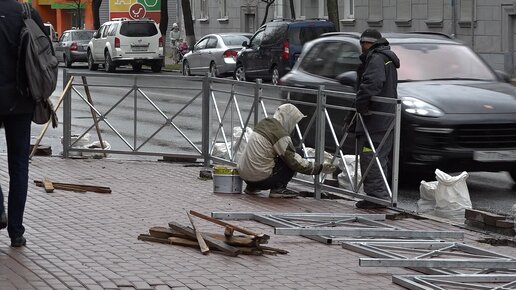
15	117
376	76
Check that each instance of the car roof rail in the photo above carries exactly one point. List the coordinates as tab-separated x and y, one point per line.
281	19
432	33
355	35
316	18
120	19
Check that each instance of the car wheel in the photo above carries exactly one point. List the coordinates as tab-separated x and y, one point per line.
214	73
91	63
186	68
109	66
137	67
156	67
67	61
239	73
275	75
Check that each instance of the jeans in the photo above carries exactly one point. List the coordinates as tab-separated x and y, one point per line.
279	178
17	134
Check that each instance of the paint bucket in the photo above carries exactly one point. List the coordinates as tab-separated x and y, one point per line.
226	180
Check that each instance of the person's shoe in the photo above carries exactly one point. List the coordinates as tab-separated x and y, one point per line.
18	242
251	191
3	220
283	192
367	204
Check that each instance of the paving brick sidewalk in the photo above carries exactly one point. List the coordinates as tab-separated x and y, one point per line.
88	240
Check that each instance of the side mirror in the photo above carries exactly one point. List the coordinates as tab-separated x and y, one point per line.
96	34
348	78
244	44
191	48
503	76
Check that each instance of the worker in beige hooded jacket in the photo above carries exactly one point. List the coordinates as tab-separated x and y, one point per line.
270	160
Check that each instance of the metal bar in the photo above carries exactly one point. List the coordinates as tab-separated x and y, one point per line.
67	116
368	232
396	154
439	263
252	215
319	137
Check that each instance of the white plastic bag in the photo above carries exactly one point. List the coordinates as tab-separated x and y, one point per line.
346	180
96	145
452	195
426	202
310	154
221	150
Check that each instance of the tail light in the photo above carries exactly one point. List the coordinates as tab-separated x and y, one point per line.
286	52
73	46
161	41
117	42
230	54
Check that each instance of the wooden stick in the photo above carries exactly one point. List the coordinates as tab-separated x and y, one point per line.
279	251
47	184
42	133
213	243
94	188
237	241
262	237
93	116
147	238
205	250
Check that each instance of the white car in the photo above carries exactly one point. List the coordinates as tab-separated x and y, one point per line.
123	41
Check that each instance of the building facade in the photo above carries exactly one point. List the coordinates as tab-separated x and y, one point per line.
492	35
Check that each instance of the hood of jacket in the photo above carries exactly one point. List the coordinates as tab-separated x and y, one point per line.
382	46
288	115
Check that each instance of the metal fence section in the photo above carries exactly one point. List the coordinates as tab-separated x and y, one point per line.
211	118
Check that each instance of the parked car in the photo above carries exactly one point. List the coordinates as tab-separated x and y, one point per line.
214	53
72	46
458	114
50	31
275	47
123	41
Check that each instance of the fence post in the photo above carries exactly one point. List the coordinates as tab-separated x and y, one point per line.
257	97
396	153
67	116
206	105
320	121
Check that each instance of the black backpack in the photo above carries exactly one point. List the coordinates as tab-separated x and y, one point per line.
39	66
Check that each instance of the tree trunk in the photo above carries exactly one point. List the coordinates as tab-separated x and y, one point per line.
163	23
96	17
187	17
292	10
333	13
269	3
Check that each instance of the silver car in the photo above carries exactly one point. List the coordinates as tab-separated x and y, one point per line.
214	53
72	46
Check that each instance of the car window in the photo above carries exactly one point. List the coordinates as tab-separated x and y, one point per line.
201	44
257	39
330	59
275	33
234	40
106	29
423	61
212	42
138	29
64	37
112	29
82	35
301	35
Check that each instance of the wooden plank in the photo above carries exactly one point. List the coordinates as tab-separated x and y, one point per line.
183	242
237	241
263	238
93	188
228	231
47	184
148	238
212	243
205	250
279	251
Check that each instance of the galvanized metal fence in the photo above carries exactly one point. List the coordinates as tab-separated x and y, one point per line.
208	118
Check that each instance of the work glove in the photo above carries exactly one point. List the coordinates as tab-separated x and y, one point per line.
328	168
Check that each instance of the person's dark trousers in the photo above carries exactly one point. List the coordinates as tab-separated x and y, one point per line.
280	177
17	135
374	184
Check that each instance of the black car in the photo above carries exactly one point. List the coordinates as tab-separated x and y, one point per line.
273	50
457	113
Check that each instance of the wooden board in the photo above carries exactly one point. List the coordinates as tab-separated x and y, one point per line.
205	250
212	243
237	241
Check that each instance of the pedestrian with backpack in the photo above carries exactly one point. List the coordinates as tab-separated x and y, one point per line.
16	114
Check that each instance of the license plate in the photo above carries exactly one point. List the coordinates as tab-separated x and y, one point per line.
139	48
484	156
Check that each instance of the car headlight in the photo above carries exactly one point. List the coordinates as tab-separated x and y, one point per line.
417	107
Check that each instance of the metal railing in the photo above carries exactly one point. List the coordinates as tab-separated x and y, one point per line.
223	106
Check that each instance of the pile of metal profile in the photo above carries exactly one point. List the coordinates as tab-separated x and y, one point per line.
456	281
334	228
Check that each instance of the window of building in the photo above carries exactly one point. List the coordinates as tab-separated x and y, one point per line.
435	13
223	10
204	9
323	10
192	8
467	13
375	13
404	12
349	9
